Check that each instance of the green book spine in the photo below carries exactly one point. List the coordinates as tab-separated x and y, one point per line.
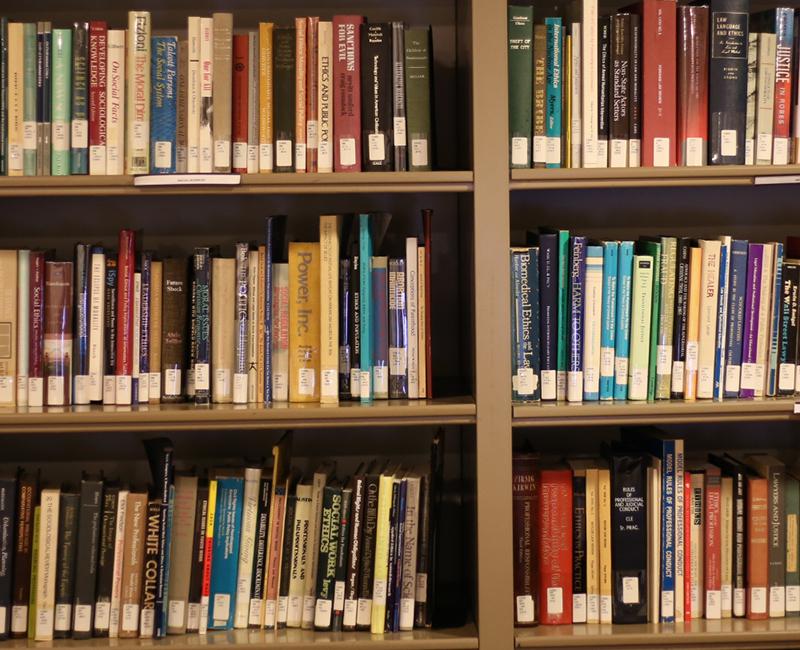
79	156
29	99
520	80
61	97
418	98
641	310
563	315
653	249
666	317
34	573
792	505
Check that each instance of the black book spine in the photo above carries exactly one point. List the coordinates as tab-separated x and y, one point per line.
355	328
394	518
398	560
603	84
377	97
260	553
8	498
202	325
629	538
328	553
787	353
27	495
354	554
635	92
344	329
68	515
105	561
79	140
435	496
423	552
399	104
579	587
548	311
91	509
620	87
286	558
341	559
198	557
727	81
681	316
284	84
367	568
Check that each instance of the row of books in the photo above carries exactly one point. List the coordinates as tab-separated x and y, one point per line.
646	534
236	547
316	96
334	321
655	85
659	318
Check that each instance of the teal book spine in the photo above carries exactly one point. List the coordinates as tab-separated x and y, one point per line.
163	105
772	376
79	145
554	83
520	82
608	330
225	552
562	350
61	98
365	288
622	340
653	249
29	62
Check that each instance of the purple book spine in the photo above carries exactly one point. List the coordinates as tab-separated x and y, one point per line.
755	259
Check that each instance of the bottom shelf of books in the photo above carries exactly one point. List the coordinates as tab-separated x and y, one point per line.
202	542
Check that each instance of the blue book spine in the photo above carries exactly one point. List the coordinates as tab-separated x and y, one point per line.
401	540
735	321
163	104
80	369
554	80
162	602
577	278
772	377
516	324
548	311
668	524
202	325
622	340
225	553
722	309
532	322
365	291
608	331
144	330
79	142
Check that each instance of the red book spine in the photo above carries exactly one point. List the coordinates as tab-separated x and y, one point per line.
427	215
125	269
554	514
312	83
781	121
692	85
36	341
98	50
712	570
659	133
687	547
240	108
347	93
757	547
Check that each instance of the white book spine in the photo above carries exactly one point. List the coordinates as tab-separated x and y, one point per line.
325	99
709	295
97	303
765	98
137	143
329	308
422	334
252	104
592	325
576	86
116	580
750	118
46	565
589	83
115	91
205	139
193	97
23	324
409	554
252	478
696	552
412	305
300	556
253	293
764	319
280	320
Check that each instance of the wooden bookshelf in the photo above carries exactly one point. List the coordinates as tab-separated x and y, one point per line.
730	634
463	638
158	417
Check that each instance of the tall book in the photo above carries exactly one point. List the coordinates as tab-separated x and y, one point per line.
399	136
619	90
603	88
710	277
347	85
58	333
250	501
91	504
641	315
225	553
577	277
9	323
115	93
29	90
539	83
44	55
300	90
98	96
765	93
554	540
284	98
329	307
376	105
524	514
137	110
609	318
223	274
304	292
548	310
312	94
692	85
79	140
623	320
164	105
68	516
61	104
205	141
181	554
592	322
240	102
325	90
221	91
15	83
554	80
419	94
587	10
757	552
520	74
265	97
105	560
46	565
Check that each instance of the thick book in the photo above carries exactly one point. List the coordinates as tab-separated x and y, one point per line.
692	85
173	328
201	324
181	552
8	504
579	544
164	105
329	248
225	553
755	260
133	559
44	620
554	540
539	139
195	593
9	326
520	75
419	97
524	480
641	316
680	321
712	552
603	88
765	92
250	501
240	103
29	71
284	98
577	277
619	90
376	102
662	351
653	246
23	559
223	274
89	523
327	555
221	90
695	288
61	86
398	330
96	340
258	578
736	316
709	297
304	323
554	80
58	333
347	89
772	253
792	504
36	329
750	114
787	344
757	551
299	554
115	93
548	311
137	109
105	559
525	381
79	137
592	322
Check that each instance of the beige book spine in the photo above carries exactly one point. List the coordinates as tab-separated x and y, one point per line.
329	308
45	593
693	324
726	546
133	556
304	335
206	137
280	337
422	331
265	125
310	585
301	554
180	558
312	94
252	479
592	549
8	327
194	80
325	96
137	143
222	89
764	318
16	131
604	511
300	26
260	324
709	297
119	558
223	290
156	304
115	83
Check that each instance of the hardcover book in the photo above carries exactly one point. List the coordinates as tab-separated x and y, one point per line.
376	105
347	88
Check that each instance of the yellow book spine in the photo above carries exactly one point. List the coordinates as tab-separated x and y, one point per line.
693	324
212	511
378	618
592	550
8	327
156	298
15	98
37	514
329	307
604	503
304	307
265	132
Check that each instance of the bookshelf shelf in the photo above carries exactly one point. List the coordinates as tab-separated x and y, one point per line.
154	417
253	184
462	638
560	179
662	412
729	634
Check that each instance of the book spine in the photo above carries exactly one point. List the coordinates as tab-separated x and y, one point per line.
80	353
589	81
79	148
227	535
623	320
4	96
399	140
342	557
312	94
145	299
539	84
15	96
766	98
254	295
603	86
327	554
45	586
285	113
282	511
164	105
641	316
241	334
367	559
286	556
181	123
58	333
329	305
523	381
193	81
693	322
110	288
764	318
258	579
579	521
562	346
222	90
133	556
23	334
202	341
376	104
619	136
412	316
137	111
98	99
380	330
366	308
36	342
592	323
304	291
748	381
655	320
680	320
8	497
347	103
776	552
750	116
115	90
155	330
609	317
666	317
418	98
635	123
300	126
520	74
326	90
757	548
173	333
692	86
195	593
206	136
105	561
548	295
240	107
352	548
787	354
265	98
712	579
61	111
574	97
658	83
280	337
577	278
398	346
354	331
709	297
722	317
554	80
68	518
774	333
223	332
44	40
97	282
784	26
554	540
249	519
29	145
86	565
300	555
